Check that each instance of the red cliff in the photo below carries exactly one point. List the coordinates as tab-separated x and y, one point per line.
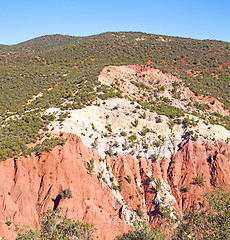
31	184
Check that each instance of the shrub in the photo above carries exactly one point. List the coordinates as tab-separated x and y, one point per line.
110	151
94	144
133	137
195	137
66	193
152	178
90	166
144	131
158	185
128	179
154	156
138	211
116	144
199	180
142	232
8	222
123	133
185	189
131	197
55	226
108	127
135	124
120	186
207	223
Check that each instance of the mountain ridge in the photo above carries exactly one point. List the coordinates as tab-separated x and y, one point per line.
103	33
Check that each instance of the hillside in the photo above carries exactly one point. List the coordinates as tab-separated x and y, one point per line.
64	68
204	62
109	193
140	117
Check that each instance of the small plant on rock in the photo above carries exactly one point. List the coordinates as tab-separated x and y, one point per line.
135	124
90	166
185	189
66	193
199	180
139	212
158	185
108	127
128	179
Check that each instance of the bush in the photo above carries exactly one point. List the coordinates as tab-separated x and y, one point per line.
135	124
108	127
209	222
142	232
158	185
90	166
185	189
139	212
199	180
54	226
123	133
133	137
128	179
66	193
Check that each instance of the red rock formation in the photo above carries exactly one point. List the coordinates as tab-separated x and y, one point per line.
194	162
31	184
124	167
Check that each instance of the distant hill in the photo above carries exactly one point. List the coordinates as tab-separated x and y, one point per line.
59	69
203	64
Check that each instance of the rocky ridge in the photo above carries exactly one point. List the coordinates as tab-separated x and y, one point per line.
123	125
111	193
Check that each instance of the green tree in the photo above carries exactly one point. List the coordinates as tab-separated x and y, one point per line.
142	232
209	222
55	227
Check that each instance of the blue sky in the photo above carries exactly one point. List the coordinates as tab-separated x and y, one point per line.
22	20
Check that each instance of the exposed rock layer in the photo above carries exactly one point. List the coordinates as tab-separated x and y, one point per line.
31	185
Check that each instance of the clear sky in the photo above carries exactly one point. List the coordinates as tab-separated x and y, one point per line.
21	20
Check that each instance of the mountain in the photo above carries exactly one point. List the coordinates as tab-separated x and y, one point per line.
135	125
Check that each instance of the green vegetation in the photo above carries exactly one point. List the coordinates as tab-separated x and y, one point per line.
141	232
199	180
47	145
185	189
94	144
66	193
90	166
109	128
132	137
128	179
66	68
210	222
207	223
140	85
158	185
110	151
123	133
55	226
135	124
138	211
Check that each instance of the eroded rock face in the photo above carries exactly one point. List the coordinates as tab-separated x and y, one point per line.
199	168
31	184
150	76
